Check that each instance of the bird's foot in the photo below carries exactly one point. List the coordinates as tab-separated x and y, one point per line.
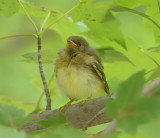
63	107
66	105
84	101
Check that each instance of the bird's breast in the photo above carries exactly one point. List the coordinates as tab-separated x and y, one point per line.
78	82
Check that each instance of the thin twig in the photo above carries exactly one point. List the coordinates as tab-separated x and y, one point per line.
46	90
93	118
59	18
30	19
45	20
148	88
110	128
19	35
41	96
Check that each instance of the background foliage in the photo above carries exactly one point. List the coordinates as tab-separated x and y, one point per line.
126	33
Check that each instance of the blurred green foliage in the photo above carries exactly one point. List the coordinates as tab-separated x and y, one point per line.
126	33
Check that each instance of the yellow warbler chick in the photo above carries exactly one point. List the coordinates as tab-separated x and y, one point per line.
79	71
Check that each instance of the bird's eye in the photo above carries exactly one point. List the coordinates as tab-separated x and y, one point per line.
79	44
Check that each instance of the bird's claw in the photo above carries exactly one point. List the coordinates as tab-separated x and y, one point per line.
84	101
66	105
63	107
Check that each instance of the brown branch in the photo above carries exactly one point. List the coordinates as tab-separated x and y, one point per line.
84	116
148	88
46	90
109	129
76	114
102	111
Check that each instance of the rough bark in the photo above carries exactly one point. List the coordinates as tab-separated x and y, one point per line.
43	78
77	115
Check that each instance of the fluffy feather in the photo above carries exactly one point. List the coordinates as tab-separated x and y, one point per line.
79	70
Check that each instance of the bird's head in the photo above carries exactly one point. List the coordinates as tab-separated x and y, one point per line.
77	44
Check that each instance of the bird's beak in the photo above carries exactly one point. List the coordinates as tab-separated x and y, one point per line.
71	44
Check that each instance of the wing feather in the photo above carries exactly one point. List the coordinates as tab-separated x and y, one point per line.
98	69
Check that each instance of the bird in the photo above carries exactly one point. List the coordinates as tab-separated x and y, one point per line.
79	71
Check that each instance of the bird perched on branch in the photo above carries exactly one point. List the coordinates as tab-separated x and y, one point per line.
79	71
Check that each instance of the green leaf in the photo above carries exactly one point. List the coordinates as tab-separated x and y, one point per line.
53	122
30	57
155	74
62	132
129	108
11	116
141	111
144	110
128	93
82	21
7	132
47	57
151	129
34	11
114	33
9	7
64	27
109	54
104	27
130	90
130	4
70	132
111	107
57	127
148	10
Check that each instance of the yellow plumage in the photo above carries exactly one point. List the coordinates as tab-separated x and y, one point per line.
78	83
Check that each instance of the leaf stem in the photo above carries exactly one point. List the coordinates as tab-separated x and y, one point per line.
150	70
45	20
158	5
147	17
19	35
59	18
138	13
29	17
154	61
46	90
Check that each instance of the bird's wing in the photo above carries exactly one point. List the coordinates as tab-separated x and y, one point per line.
94	62
98	69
